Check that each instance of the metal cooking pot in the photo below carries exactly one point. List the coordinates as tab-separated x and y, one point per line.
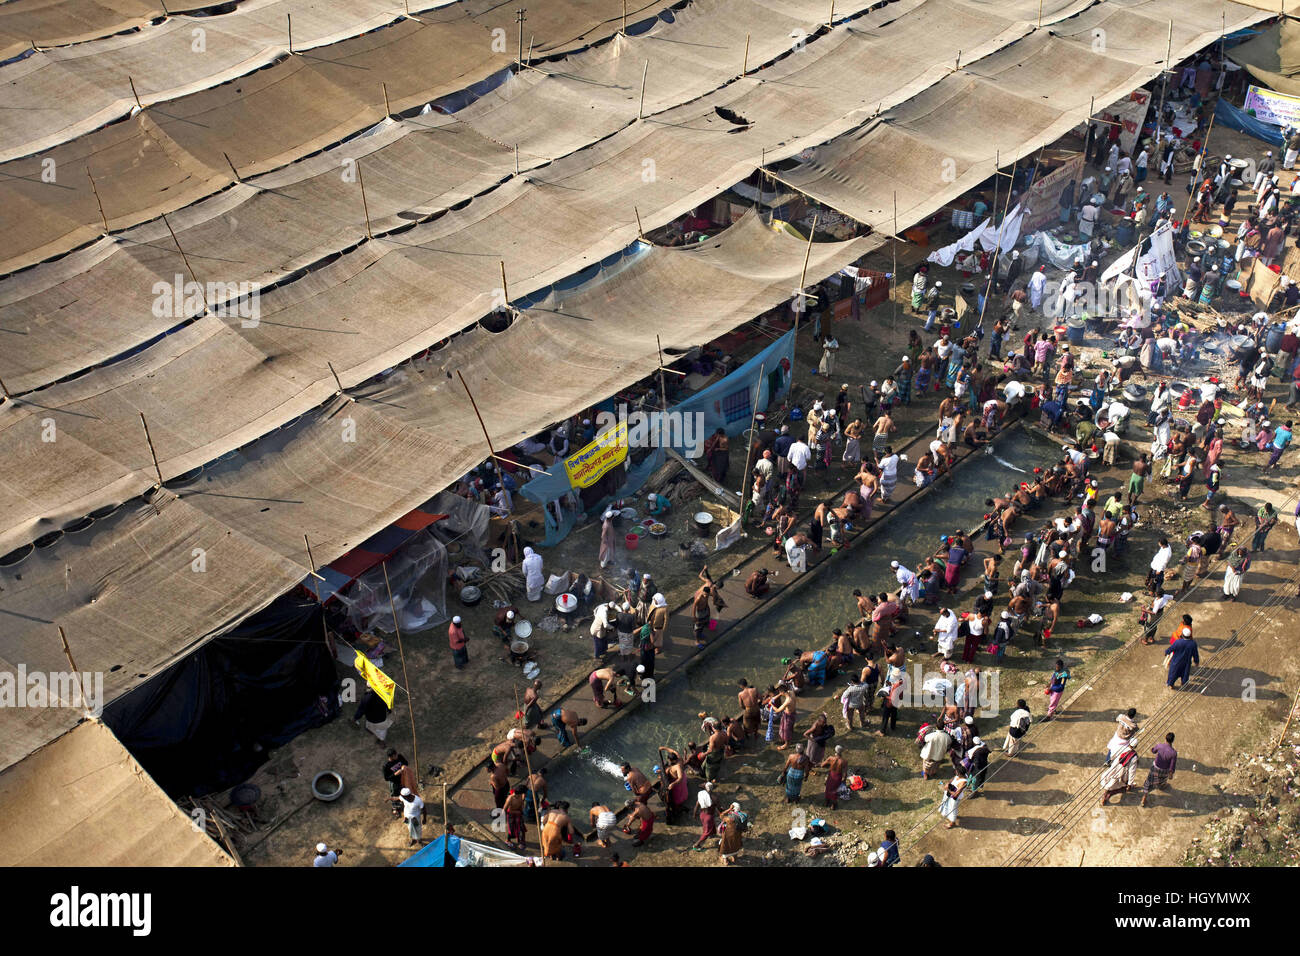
470	595
703	523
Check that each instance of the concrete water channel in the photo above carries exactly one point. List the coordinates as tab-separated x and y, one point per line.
754	649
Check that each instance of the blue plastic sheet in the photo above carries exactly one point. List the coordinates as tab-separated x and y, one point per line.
726	404
1240	120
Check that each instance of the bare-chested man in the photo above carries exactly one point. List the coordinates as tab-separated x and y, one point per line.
643	817
602	821
716	751
516	830
701	612
641	788
750	709
565	723
865	602
604	681
499	776
533	704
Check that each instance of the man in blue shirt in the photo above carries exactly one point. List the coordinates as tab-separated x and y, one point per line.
1281	438
1182	654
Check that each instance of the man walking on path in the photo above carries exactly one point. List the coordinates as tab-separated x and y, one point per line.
1182	654
1162	770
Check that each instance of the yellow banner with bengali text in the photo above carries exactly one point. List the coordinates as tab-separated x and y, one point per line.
589	465
379	682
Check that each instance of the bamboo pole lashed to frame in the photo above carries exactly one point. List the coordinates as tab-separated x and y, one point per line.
410	701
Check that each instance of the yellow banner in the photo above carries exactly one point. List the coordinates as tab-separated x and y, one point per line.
379	682
589	465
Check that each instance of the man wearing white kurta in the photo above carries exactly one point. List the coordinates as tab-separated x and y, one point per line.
533	580
1037	282
1087	219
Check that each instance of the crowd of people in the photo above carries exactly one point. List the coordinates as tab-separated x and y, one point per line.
1002	362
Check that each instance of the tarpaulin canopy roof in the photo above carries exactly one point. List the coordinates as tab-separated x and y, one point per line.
263	230
949	138
126	590
57	94
83	800
1273	57
148	165
216	385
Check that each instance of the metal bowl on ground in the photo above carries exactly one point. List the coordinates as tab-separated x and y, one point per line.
470	595
1134	392
1216	231
628	514
327	786
657	529
245	796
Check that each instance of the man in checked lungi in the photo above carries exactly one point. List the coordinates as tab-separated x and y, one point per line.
1162	770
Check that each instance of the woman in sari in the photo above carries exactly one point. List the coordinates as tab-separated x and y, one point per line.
952	571
733	828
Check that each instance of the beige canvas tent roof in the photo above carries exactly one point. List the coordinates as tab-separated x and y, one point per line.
82	800
1273	57
216	389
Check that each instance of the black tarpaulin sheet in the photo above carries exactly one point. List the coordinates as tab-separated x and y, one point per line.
206	723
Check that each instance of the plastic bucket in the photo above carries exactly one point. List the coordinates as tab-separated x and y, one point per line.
1074	333
632	541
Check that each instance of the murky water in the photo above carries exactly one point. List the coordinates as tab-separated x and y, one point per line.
756	650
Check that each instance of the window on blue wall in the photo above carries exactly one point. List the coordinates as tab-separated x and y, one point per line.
736	406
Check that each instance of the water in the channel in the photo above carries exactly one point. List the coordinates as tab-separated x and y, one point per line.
755	650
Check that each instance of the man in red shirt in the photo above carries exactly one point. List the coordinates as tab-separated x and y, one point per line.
458	641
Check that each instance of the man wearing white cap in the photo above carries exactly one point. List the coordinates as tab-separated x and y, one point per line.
1264	170
1037	283
413	813
459	643
325	856
909	584
978	755
932	305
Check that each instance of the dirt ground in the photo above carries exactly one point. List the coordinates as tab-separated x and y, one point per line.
459	715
